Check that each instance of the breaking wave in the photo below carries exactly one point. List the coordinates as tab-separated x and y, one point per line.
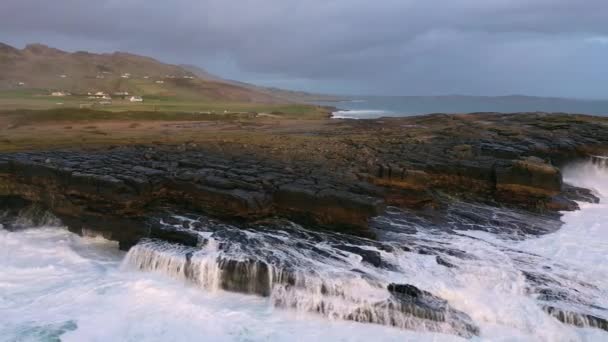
494	273
360	114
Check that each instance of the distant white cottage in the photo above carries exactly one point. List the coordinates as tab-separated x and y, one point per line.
136	99
59	93
160	82
125	75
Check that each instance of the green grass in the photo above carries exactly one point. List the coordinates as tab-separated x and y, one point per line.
75	115
37	99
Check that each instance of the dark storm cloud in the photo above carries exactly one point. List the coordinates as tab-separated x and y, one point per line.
545	47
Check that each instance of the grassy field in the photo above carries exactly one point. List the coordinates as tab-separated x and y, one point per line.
50	129
31	121
40	100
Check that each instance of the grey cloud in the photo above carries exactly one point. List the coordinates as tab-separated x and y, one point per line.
385	46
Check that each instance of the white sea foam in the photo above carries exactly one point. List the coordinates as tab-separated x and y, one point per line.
583	240
360	114
53	283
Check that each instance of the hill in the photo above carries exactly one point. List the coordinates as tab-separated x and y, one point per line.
38	66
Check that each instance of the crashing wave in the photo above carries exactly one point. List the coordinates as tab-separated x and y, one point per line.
351	297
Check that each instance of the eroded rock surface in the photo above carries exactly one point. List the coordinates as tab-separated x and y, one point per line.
335	178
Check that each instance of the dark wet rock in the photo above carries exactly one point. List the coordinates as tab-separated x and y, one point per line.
553	295
348	211
424	305
17	213
127	231
182	236
539	279
443	262
574	193
577	319
120	183
245	276
371	257
406	290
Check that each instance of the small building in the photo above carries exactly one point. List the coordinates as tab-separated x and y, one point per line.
106	97
63	76
100	94
59	93
21	84
136	99
125	75
160	82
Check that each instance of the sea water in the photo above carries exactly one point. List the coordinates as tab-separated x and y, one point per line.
55	285
386	106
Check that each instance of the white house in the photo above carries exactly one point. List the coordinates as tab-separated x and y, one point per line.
160	82
125	75
59	93
136	99
106	97
100	94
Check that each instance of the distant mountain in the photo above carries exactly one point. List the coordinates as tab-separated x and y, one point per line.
41	67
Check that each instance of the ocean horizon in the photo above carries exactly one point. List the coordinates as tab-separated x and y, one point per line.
369	107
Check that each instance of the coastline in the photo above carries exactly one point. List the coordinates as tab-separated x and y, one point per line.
245	204
331	174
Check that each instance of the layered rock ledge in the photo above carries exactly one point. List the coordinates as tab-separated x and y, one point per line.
335	176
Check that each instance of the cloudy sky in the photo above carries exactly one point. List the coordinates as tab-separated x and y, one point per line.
382	47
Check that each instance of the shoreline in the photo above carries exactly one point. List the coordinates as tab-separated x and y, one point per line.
290	209
330	174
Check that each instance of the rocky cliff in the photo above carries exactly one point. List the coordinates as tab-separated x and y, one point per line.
336	178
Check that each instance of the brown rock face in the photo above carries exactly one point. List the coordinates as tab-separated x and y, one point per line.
531	176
